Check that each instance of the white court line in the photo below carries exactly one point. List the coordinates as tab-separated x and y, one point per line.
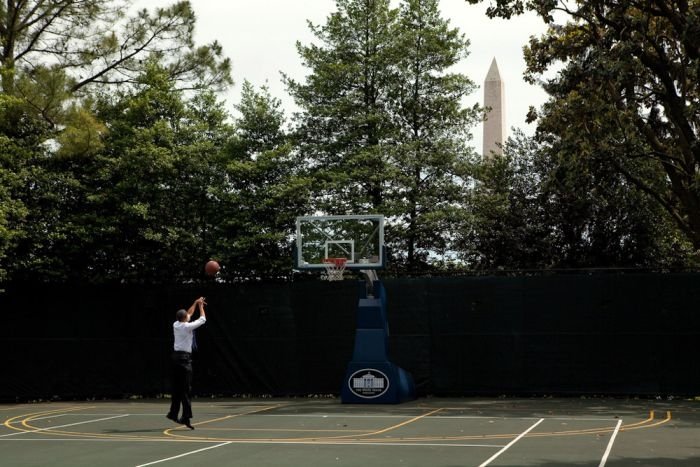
300	443
185	454
610	444
438	417
93	414
330	415
432	417
568	419
492	458
61	426
370	443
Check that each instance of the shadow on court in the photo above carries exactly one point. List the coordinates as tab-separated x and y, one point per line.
323	432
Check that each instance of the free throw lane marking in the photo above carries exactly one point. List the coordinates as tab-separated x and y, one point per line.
184	454
610	444
507	446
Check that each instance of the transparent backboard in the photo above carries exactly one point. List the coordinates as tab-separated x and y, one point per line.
357	238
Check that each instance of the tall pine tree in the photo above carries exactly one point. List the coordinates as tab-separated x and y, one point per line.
344	126
264	192
382	127
431	154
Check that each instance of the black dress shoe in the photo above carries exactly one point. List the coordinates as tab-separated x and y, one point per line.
186	422
172	417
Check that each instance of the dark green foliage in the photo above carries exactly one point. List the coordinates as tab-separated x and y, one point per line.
265	191
345	125
146	181
430	157
538	207
382	128
627	96
93	43
137	206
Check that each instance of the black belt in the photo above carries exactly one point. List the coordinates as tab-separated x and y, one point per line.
182	352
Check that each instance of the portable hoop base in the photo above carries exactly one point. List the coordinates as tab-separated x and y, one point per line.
370	377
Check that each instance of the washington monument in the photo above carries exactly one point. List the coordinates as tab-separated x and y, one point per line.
495	100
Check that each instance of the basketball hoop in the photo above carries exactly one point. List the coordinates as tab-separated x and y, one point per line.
335	267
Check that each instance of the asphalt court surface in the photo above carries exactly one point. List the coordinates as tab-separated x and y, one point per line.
323	432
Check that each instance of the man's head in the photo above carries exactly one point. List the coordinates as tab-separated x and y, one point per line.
182	316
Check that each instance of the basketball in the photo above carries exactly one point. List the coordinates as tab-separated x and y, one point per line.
211	268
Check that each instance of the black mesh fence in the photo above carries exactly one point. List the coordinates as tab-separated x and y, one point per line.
613	334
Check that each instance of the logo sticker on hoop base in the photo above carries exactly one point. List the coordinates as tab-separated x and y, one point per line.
368	383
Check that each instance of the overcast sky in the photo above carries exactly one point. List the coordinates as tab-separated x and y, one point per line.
259	37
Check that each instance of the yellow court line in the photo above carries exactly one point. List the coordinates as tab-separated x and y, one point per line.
595	431
361	438
587	431
319	439
399	425
660	422
350	438
652	414
371	433
379	432
169	431
118	436
633	426
284	430
79	434
27	417
114	435
49	430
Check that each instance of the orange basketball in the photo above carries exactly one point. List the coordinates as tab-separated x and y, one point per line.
211	268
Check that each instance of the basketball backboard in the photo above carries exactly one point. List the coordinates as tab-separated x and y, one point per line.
357	238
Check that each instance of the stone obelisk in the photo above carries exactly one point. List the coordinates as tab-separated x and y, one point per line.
495	100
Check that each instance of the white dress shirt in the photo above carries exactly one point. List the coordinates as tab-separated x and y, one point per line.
183	334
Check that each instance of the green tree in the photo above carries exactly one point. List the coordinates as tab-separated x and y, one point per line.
508	226
265	191
536	207
130	199
21	135
60	161
127	193
344	126
381	125
628	93
58	235
431	153
94	42
162	164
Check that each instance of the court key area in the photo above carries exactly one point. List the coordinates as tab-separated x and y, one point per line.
324	432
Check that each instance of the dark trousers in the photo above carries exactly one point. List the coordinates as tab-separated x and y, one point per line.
181	385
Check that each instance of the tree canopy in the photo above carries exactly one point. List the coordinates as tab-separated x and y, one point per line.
119	162
382	126
628	93
49	50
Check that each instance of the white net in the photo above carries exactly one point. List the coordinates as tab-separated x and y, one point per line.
335	267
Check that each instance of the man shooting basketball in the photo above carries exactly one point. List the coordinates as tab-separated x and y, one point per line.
183	332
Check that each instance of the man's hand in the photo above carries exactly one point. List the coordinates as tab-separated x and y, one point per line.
199	303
